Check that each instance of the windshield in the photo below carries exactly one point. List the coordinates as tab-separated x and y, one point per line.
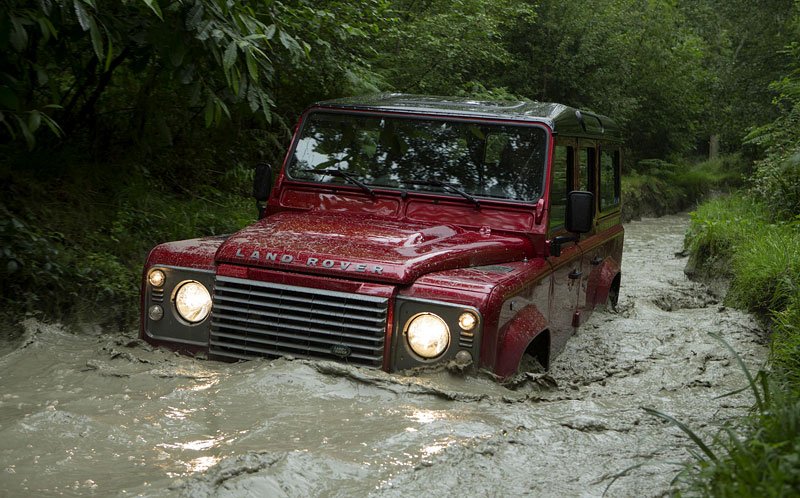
483	160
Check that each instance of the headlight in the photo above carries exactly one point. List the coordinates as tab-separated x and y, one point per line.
427	335
192	301
467	321
156	278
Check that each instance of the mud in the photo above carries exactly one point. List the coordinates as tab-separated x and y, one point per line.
100	413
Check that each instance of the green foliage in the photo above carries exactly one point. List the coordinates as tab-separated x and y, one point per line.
777	181
777	176
78	241
766	269
635	61
743	49
718	227
786	339
152	71
734	235
721	173
764	463
35	268
146	68
657	187
442	47
43	272
649	195
146	215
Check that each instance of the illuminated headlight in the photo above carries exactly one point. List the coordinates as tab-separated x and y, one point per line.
427	335
467	321
192	301
156	278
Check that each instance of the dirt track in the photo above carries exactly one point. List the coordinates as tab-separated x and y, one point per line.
102	414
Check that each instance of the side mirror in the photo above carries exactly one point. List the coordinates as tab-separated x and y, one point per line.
262	185
580	212
579	219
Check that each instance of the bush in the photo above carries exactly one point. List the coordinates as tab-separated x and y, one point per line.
35	266
73	243
777	182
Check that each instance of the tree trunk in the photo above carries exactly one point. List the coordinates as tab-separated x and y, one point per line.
713	147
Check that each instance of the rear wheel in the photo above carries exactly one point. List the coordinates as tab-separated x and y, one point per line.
613	294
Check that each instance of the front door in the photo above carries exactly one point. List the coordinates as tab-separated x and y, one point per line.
566	289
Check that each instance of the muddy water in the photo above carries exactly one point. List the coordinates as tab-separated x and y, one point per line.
102	414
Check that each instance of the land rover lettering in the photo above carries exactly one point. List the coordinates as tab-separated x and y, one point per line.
287	259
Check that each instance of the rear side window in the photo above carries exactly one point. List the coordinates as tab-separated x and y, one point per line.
609	179
586	169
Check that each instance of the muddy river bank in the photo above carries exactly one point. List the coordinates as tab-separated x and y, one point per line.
103	414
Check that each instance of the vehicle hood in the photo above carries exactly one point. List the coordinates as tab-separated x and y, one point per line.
363	247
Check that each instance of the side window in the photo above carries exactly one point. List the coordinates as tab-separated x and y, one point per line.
586	169
609	179
561	184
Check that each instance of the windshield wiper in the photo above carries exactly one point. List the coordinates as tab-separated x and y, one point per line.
343	174
445	186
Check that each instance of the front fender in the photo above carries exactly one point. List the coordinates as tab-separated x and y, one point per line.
516	336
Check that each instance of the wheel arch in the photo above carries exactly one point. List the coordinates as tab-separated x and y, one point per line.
527	332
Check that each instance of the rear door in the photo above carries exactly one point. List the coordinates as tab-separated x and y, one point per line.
602	248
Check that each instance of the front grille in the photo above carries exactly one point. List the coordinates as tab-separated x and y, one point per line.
251	319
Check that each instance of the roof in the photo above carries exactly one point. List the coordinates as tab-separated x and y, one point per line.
561	118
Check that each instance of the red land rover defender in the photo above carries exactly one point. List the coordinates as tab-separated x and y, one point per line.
404	231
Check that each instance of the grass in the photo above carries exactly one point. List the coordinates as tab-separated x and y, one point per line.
738	236
734	236
717	228
766	270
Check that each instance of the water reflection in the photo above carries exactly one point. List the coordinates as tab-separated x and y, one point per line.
199	445
427	416
178	413
202	463
198	464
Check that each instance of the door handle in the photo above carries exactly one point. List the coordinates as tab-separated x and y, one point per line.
596	261
575	275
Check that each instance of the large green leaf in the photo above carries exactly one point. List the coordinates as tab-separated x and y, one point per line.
19	36
82	14
153	4
229	57
97	39
34	121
